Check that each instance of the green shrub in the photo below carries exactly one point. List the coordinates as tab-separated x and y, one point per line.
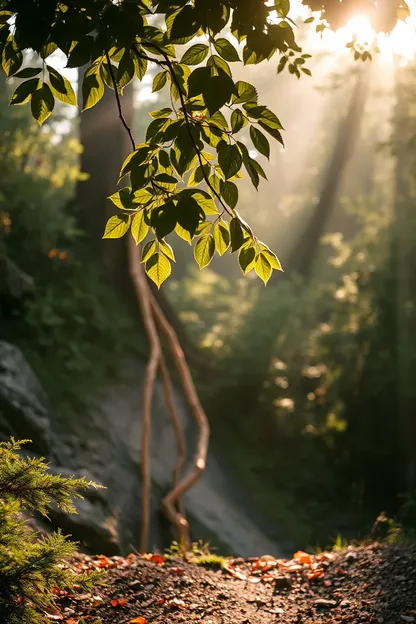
30	564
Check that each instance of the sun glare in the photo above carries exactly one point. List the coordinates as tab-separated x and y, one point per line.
400	42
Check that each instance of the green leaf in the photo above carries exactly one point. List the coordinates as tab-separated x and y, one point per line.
24	91
197	81
204	228
216	63
248	164
226	49
139	227
237	234
188	213
140	66
28	72
61	87
204	201
81	52
229	159
246	259
107	72
262	267
272	131
204	250
260	142
245	93
164	219
163	112
218	91
271	257
229	193
123	198
167	250
148	250
42	103
238	120
92	87
48	49
159	81
196	54
125	71
182	233
158	268
117	226
184	25
140	155
142	196
12	58
221	237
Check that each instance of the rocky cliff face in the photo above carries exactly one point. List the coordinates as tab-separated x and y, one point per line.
103	443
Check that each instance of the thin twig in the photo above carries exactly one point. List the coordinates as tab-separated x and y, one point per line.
119	106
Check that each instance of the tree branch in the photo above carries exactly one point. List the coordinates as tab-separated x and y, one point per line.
143	298
200	418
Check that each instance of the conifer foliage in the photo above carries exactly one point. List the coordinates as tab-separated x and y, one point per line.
31	566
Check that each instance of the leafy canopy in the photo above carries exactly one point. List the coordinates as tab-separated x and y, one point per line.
183	177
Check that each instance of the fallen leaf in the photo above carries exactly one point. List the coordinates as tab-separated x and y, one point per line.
233	571
119	602
157	559
177	571
138	620
302	557
314	574
265	563
175	603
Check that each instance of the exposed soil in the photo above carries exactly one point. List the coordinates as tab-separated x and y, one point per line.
369	584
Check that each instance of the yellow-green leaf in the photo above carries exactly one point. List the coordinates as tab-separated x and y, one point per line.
12	58
221	237
139	227
182	233
167	250
246	259
117	226
148	250
92	87
24	91
273	259
61	87
262	267
42	103
159	81
158	268
204	250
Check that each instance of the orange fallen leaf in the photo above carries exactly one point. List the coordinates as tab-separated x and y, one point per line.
138	620
233	571
314	574
119	602
302	557
177	571
159	602
265	563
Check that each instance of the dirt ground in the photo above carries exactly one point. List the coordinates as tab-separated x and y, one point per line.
368	584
